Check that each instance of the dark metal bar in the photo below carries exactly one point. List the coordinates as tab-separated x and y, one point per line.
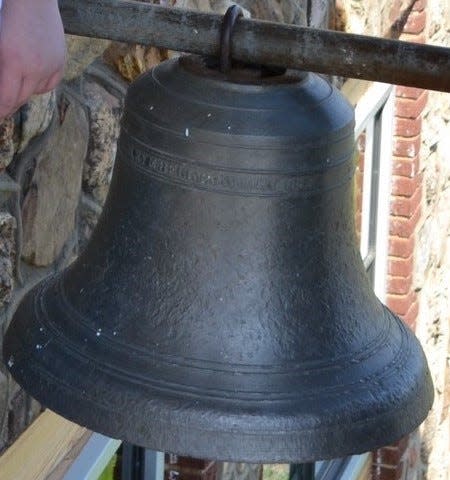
132	462
302	471
267	43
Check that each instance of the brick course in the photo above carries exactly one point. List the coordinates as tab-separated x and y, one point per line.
405	187
387	472
411	107
400	303
408	92
405	146
389	463
400	255
408	127
399	285
405	226
406	206
405	167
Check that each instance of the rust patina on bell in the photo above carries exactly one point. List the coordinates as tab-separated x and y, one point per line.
221	309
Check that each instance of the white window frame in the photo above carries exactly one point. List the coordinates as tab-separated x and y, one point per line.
376	106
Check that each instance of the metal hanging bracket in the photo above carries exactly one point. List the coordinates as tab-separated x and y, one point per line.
265	43
229	20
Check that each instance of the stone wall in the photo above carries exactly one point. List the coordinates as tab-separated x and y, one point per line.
432	265
56	156
419	262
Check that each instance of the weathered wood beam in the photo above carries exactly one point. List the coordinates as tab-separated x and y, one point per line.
267	43
41	449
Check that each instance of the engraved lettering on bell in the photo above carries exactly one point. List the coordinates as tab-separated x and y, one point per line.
175	171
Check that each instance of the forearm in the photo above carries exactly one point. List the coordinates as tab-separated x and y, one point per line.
31	51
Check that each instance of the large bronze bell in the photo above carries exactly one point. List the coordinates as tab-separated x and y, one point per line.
221	309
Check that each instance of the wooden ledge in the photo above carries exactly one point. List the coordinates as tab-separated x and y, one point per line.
45	450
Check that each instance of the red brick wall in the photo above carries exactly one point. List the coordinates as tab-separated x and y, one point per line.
400	461
185	468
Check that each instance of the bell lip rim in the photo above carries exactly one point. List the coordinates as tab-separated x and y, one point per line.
167	408
68	401
302	437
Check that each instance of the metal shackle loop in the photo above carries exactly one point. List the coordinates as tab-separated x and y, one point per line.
229	20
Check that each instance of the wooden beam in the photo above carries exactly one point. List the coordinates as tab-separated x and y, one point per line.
267	43
42	449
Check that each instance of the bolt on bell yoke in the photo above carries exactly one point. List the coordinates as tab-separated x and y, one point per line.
221	309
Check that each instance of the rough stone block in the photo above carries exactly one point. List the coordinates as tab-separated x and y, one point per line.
6	142
81	52
88	215
7	256
132	60
17	416
287	11
35	117
431	246
104	112
8	187
3	407
204	5
50	204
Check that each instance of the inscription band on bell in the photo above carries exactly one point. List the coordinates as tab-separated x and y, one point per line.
173	170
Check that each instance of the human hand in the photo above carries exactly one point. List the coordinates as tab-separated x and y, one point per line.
32	51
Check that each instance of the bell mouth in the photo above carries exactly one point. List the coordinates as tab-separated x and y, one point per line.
314	419
241	73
